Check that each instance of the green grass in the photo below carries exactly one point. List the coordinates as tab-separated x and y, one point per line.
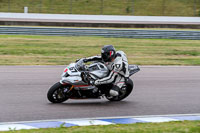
57	50
168	127
110	7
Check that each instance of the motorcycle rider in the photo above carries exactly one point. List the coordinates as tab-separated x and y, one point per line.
117	64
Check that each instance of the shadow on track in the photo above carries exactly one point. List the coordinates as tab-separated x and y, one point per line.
92	103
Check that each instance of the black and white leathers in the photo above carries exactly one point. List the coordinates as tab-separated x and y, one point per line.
118	69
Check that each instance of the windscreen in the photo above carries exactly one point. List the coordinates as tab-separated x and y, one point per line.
79	65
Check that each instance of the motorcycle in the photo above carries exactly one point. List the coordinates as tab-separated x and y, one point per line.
76	83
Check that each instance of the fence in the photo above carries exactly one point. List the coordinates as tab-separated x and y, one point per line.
105	7
122	33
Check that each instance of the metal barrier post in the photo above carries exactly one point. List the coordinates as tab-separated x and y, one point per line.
8	5
40	6
25	9
195	7
101	7
163	8
70	7
50	6
132	7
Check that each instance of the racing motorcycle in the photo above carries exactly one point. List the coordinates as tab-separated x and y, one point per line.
76	83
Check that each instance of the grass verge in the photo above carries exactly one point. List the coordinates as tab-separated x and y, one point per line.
167	127
58	50
105	7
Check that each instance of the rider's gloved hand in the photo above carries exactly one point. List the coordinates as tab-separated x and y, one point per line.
96	82
91	82
84	60
77	60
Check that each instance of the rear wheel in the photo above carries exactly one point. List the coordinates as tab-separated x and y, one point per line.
56	93
123	93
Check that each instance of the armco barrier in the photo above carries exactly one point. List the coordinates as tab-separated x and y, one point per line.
122	33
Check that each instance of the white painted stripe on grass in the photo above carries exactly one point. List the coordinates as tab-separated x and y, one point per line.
97	121
112	117
87	122
8	127
156	119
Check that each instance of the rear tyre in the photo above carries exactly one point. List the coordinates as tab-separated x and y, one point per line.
122	95
56	93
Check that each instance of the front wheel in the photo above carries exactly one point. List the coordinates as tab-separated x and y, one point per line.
56	93
123	93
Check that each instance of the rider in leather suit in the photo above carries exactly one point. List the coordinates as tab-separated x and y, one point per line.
117	63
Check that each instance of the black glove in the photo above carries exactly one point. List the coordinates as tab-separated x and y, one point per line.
85	60
77	60
91	82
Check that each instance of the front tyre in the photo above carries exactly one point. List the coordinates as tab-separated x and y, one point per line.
56	93
124	93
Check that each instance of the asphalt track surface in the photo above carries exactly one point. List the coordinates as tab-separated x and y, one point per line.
158	91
